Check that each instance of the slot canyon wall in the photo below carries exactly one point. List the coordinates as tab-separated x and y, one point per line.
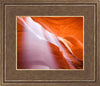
50	42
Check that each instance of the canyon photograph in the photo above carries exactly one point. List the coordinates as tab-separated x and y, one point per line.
50	42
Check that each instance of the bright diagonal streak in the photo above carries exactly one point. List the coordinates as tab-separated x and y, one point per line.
38	30
43	34
26	25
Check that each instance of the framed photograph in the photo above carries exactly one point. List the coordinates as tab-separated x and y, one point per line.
49	43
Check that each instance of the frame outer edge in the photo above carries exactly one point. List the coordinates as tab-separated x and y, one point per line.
50	1
1	43
98	43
